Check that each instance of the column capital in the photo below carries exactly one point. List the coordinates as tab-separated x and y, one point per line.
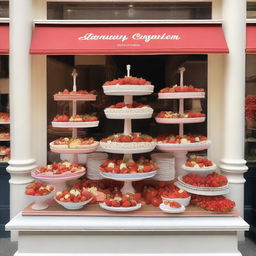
21	167
236	166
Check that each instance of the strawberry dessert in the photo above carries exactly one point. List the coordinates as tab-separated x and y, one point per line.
120	166
4	135
126	200
177	139
75	118
170	114
80	92
211	180
38	189
76	95
78	143
124	109
5	151
74	195
128	81
4	117
172	204
59	169
132	141
213	203
198	162
185	88
175	193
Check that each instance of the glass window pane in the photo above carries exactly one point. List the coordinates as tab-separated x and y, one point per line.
251	10
125	11
4	9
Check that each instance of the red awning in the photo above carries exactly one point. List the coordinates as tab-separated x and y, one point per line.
110	40
4	39
251	38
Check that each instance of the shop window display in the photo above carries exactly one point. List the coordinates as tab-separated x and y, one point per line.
139	158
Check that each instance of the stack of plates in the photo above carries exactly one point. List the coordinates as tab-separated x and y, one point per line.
94	161
166	164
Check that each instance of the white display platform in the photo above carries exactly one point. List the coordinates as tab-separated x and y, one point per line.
108	236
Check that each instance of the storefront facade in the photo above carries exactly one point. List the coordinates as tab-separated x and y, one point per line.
225	129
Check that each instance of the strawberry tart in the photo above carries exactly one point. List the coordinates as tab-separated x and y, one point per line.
4	117
128	86
4	136
75	95
173	117
127	170
134	111
58	169
126	202
75	121
181	92
5	151
188	142
73	145
130	144
198	164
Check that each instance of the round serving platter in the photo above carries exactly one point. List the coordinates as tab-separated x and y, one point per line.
128	177
179	120
120	209
168	147
132	114
122	90
181	95
78	97
75	124
128	147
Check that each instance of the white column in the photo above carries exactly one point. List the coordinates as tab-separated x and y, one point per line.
39	94
20	102
233	163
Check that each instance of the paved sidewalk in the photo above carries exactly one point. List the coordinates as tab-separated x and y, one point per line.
8	248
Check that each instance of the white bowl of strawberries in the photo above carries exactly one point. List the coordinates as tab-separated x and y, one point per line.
177	195
199	164
74	198
124	203
39	193
172	207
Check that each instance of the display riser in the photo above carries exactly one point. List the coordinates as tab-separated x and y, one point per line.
140	243
127	236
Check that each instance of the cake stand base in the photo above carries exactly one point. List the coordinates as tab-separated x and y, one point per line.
180	159
127	188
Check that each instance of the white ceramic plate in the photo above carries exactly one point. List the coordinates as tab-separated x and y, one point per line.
120	209
203	192
77	97
169	209
73	206
182	201
168	147
127	147
201	188
181	95
126	177
128	89
75	124
180	120
131	115
201	170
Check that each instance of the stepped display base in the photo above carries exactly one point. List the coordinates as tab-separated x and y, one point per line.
147	236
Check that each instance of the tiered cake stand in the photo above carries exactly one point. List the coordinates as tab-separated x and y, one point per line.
128	91
180	150
59	181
